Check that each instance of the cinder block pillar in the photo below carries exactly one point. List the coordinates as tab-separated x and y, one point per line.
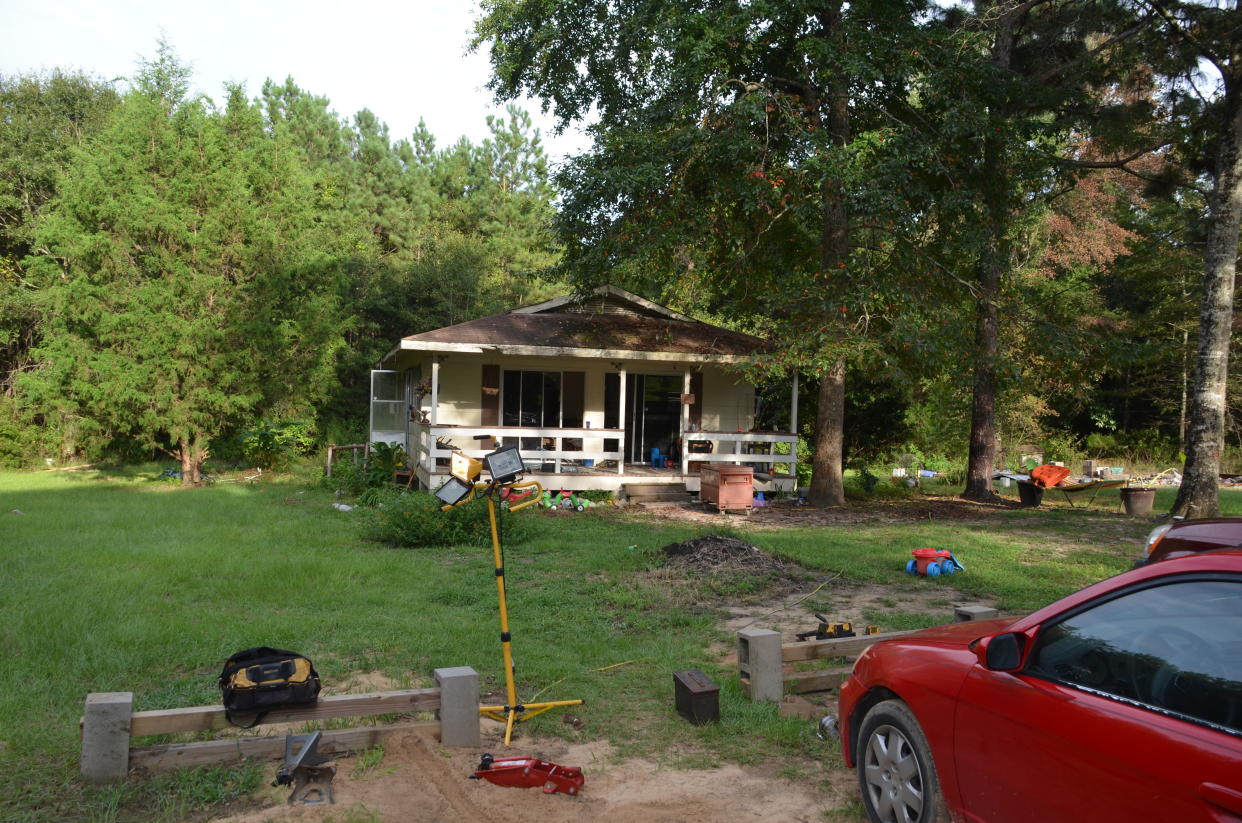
459	706
105	736
964	614
759	661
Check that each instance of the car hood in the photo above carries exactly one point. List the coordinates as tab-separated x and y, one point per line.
958	634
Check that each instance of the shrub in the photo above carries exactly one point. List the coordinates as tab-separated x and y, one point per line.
353	476
414	519
384	460
271	445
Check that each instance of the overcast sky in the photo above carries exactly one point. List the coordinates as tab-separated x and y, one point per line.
403	60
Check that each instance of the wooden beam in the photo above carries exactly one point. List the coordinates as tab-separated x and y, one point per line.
567	351
206	718
816	681
836	647
793	412
182	755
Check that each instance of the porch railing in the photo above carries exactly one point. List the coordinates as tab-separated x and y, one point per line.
427	448
758	449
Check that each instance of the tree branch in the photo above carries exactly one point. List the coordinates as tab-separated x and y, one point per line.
1185	35
1116	38
1115	163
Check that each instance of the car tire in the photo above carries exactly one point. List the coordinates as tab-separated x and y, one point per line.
896	774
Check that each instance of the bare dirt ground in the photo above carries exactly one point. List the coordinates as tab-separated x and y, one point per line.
787	513
419	780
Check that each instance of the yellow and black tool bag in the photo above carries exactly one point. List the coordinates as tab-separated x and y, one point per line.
261	679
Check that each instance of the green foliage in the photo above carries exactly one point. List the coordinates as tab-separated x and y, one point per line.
186	274
271	445
1061	446
349	476
22	441
385	458
414	520
1144	447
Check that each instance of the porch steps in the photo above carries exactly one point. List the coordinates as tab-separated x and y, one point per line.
656	494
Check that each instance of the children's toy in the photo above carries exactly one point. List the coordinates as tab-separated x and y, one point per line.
933	563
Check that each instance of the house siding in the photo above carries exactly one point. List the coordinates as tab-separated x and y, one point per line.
728	400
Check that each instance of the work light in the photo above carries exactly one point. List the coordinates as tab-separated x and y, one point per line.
504	464
453	490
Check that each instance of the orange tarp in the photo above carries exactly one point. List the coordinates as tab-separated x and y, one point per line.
1049	475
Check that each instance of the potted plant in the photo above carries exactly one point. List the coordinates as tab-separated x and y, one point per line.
1138	494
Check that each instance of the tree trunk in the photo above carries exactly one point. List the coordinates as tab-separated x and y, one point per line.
1199	495
993	262
982	458
192	456
827	485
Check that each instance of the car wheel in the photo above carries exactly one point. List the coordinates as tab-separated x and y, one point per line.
896	774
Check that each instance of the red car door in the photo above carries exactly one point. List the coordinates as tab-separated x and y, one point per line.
1128	709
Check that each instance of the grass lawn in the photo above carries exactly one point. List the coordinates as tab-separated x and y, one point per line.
117	582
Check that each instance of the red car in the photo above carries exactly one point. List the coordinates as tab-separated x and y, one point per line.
1122	702
1183	537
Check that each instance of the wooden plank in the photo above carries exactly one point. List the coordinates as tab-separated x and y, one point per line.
183	755
836	647
205	718
816	681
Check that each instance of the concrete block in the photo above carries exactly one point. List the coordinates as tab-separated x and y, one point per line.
964	614
759	660
105	736
459	706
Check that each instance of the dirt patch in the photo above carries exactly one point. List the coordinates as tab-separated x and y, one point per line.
419	780
716	553
843	602
786	513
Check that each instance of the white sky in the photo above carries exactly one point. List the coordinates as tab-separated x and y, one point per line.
402	60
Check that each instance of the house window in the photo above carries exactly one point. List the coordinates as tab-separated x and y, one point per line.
531	399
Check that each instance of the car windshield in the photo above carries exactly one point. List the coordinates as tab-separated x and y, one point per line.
1175	647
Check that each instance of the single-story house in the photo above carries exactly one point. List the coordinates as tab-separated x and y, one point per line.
596	391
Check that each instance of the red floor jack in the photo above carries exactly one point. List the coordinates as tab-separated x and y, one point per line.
527	773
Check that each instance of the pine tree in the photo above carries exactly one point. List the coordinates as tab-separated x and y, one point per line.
185	282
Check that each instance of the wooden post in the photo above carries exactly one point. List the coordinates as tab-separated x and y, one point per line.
621	425
685	423
759	660
105	736
435	392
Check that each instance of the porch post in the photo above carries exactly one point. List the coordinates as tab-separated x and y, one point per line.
685	421
793	429
793	408
435	388
621	422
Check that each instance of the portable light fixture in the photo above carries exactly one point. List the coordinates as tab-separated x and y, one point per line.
453	491
504	464
505	467
464	467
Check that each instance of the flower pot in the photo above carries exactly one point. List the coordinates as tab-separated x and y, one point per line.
1029	494
1138	501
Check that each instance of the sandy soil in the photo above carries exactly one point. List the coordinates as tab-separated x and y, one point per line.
419	780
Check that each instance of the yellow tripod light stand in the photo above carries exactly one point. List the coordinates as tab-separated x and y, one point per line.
505	466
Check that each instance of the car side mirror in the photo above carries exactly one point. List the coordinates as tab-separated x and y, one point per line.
1001	652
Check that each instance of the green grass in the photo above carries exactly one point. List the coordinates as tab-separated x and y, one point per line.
118	582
